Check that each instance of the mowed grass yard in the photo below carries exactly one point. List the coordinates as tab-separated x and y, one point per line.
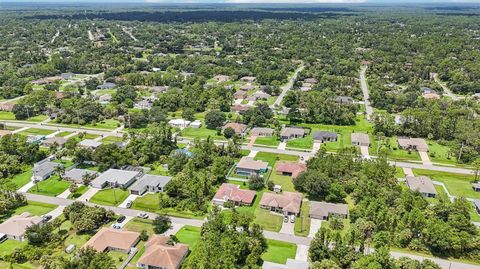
201	132
9	246
150	202
302	223
285	181
189	235
266	141
34	208
301	143
81	190
21	179
457	184
109	197
5	115
279	251
272	158
52	186
36	131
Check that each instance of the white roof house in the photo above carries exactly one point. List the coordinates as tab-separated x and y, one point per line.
89	143
115	178
179	123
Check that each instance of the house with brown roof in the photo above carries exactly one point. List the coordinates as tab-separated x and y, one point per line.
5	132
422	184
56	140
6	106
324	210
248	79
108	239
287	203
431	96
239	128
257	131
15	227
247	87
240	108
291	133
360	139
232	192
221	78
247	166
160	255
292	169
240	94
418	144
311	80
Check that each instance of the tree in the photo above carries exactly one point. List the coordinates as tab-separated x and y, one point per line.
325	264
256	182
229	132
73	188
161	224
214	119
39	234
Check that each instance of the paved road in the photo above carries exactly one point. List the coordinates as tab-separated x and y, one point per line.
287	87
446	90
366	96
60	128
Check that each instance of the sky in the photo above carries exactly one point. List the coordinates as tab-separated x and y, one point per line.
249	1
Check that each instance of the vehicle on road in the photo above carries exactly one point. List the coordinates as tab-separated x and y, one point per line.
142	215
46	217
129	204
121	219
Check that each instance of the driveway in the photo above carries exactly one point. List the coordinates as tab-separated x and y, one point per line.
26	187
252	154
408	172
56	212
364	151
174	229
282	145
131	197
88	195
288	228
125	221
252	140
64	194
302	253
315	225
425	158
316	147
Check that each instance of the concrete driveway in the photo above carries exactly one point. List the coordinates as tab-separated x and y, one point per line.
425	158
56	212
302	253
174	229
88	195
408	172
131	197
364	151
26	187
64	194
315	225
288	228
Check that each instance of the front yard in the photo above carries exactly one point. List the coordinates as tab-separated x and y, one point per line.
272	158
36	131
279	251
150	203
189	235
302	223
267	141
301	143
21	179
110	197
457	184
52	186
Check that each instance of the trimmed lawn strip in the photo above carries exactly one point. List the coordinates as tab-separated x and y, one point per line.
272	158
267	141
110	197
21	179
201	132
111	139
63	134
36	131
302	223
5	115
301	143
189	235
138	225
279	252
38	118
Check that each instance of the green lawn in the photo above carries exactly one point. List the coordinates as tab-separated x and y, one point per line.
52	186
34	208
457	184
63	134
272	158
159	170
5	115
17	266
81	190
110	197
395	152
279	251
302	223
9	246
301	143
111	139
189	235
285	181
36	131
38	118
118	257
150	202
21	179
440	153
201	132
399	172
267	141
138	225
263	217
108	124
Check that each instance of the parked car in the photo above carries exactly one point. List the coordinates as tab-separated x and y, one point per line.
292	218
47	217
142	215
116	226
121	219
285	219
129	204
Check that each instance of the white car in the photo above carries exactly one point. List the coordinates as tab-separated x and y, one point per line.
142	215
292	218
129	204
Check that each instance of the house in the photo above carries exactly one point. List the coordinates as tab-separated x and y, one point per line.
240	95
323	136
431	96
77	175
5	132
422	184
248	79
44	170
196	124
476	204
239	128
247	88
476	186
67	75
108	239
15	227
259	95
47	80
311	80
247	166
324	210
149	183
240	108
115	178
106	86
291	169
287	203
360	139
105	99
179	123
89	143
418	144
221	78
144	104
232	192
291	264
6	106
257	131
344	100
291	133
58	141
305	88
161	255
35	139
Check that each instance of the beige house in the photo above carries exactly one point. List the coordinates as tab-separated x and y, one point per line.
258	131
15	227
324	210
247	166
422	184
160	255
360	139
239	128
418	144
108	239
287	203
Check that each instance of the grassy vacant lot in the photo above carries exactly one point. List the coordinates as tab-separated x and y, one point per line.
110	197
52	186
302	223
81	190
38	118
457	184
9	246
138	225
267	141
63	134
189	235
4	115
201	132
272	158
440	153
301	143
150	202
21	179
279	251
111	139
36	131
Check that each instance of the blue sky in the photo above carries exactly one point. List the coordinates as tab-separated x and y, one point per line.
249	1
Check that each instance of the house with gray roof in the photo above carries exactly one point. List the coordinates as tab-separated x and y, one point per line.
422	184
115	178
149	183
258	131
360	139
324	210
77	175
106	86
89	143
476	204
291	133
344	100
44	170
323	136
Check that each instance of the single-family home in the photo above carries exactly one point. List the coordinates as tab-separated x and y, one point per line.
239	128
422	184
287	203
77	175
196	124
292	133
56	140
221	78
360	139
247	166
324	136
248	79
115	178
105	99
240	95
259	95
418	144
144	104
6	106
232	192
89	143
324	210
291	169
149	183
106	86
179	123
159	254
476	204
15	227
240	108
258	131
44	170
108	239
311	80
247	88
344	100
476	186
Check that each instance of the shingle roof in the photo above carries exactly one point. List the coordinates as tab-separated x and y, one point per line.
107	237
289	131
291	167
320	135
250	163
261	131
324	209
77	174
237	127
288	201
115	176
360	138
16	225
89	143
232	192
150	180
45	168
419	143
160	255
422	184
52	140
